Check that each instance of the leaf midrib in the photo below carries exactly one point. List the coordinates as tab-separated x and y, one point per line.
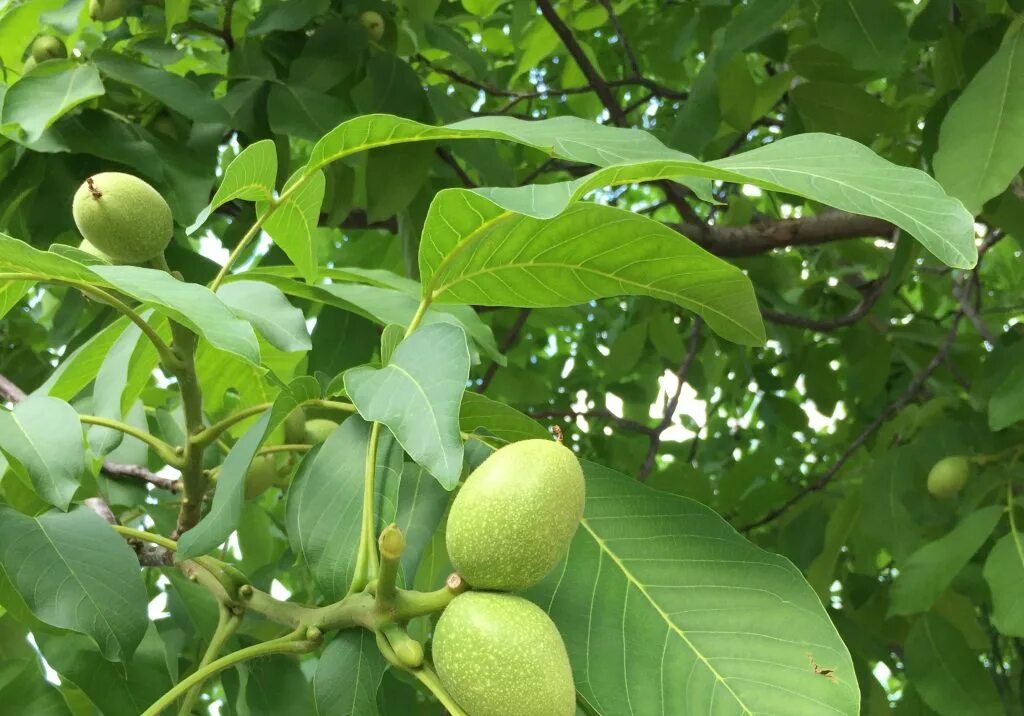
665	617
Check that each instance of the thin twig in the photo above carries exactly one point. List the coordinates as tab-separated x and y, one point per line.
822	481
672	403
870	297
510	340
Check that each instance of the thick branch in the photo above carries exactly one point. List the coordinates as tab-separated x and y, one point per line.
757	238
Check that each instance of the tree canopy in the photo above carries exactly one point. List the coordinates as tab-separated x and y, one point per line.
758	264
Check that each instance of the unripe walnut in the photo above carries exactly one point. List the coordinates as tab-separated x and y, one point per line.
500	655
123	216
107	10
513	519
374	23
318	429
948	476
47	47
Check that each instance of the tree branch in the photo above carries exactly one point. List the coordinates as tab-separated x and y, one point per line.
672	403
822	481
507	342
763	236
870	297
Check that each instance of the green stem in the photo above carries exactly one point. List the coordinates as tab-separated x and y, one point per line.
366	557
193	477
417	318
165	542
210	434
227	623
331	405
165	451
428	677
293	643
255	229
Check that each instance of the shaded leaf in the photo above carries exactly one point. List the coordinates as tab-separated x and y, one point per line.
44	436
76	573
45	95
348	674
266	308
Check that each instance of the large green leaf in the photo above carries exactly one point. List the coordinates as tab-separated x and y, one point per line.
479	414
266	308
414	501
946	671
294	219
45	95
325	502
832	170
74	572
871	34
929	571
249	176
417	395
475	252
1004	572
190	304
981	143
117	689
44	437
666	609
109	388
348	675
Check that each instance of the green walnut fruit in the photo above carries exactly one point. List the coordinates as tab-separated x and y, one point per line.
107	10
92	250
500	655
295	427
515	516
261	475
948	476
374	24
47	47
29	65
123	216
318	429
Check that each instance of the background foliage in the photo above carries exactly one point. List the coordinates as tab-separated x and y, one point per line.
879	360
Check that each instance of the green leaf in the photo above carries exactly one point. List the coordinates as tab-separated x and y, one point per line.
45	95
77	370
843	109
1006	406
930	570
946	672
229	497
1004	572
665	608
981	143
276	685
191	304
417	395
74	572
348	675
475	252
871	34
325	503
294	221
415	502
115	688
390	337
11	293
267	309
23	690
178	93
249	176
108	390
481	415
44	437
188	303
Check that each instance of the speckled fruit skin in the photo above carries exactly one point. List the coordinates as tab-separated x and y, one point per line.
318	429
92	250
948	476
374	24
500	655
513	519
123	216
47	47
261	475
107	10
